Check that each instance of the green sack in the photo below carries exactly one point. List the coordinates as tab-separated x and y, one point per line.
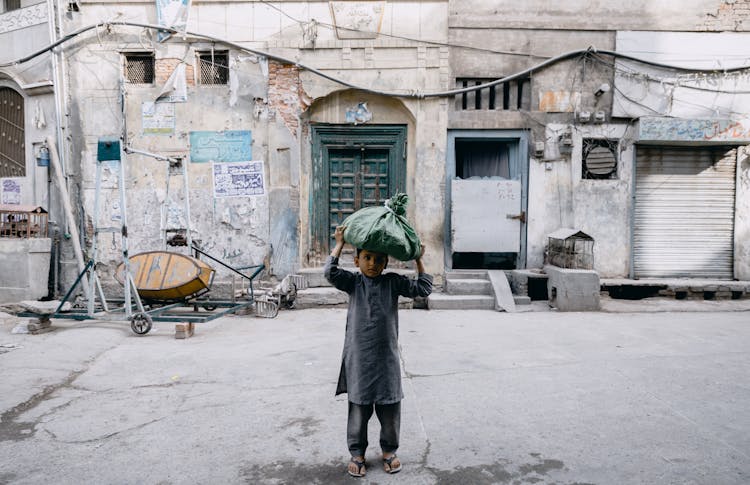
384	229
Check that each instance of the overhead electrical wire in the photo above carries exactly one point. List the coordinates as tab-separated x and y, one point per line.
412	94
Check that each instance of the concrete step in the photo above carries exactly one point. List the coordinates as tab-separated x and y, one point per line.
330	297
316	279
522	300
468	287
442	301
466	275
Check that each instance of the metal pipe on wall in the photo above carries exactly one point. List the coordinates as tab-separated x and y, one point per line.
72	226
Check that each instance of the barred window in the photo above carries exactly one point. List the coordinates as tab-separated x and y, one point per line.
10	5
599	159
12	136
139	67
213	67
511	95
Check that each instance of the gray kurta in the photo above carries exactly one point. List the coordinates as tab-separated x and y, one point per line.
370	365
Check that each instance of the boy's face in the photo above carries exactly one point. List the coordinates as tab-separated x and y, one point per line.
371	263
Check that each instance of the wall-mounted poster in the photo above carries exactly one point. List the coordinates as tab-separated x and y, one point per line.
157	118
221	146
11	192
238	179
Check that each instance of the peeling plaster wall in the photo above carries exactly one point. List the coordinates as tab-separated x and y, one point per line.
268	98
742	216
559	197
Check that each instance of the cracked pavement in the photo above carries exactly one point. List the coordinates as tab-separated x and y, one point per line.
538	397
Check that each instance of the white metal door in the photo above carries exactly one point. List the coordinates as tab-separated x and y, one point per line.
486	216
684	212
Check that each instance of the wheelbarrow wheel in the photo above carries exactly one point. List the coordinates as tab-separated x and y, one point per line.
141	323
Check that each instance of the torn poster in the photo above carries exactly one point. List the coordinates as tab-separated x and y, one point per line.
175	89
172	14
358	114
238	179
157	118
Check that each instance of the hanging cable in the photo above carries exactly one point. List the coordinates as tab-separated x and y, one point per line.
414	94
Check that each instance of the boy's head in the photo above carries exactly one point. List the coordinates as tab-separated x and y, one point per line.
370	263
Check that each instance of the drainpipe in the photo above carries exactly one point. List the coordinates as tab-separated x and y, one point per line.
58	81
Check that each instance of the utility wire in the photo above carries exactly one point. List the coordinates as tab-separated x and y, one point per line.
414	94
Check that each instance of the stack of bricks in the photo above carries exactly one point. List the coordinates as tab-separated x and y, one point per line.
165	67
732	15
184	330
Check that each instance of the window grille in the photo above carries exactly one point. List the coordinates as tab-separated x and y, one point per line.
11	5
139	67
12	136
511	95
599	159
214	67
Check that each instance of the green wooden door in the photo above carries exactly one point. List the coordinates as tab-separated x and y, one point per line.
357	178
353	167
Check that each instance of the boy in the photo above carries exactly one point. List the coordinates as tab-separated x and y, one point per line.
370	366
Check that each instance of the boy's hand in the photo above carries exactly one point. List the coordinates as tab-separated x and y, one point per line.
420	266
338	235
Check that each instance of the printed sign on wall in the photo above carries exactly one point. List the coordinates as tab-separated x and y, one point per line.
238	179
157	118
220	146
11	192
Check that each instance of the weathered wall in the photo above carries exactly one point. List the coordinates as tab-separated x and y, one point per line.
677	15
742	216
525	34
268	98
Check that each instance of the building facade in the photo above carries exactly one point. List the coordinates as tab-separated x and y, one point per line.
503	123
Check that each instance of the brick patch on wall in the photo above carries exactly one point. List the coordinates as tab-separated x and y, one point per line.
732	15
165	67
286	97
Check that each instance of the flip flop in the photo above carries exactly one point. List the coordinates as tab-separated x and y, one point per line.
388	467
360	468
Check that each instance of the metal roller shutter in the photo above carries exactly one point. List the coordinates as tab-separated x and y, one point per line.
684	212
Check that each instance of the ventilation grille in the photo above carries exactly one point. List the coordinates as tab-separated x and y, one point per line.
512	95
599	159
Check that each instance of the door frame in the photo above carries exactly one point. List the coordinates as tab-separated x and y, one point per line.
518	167
327	136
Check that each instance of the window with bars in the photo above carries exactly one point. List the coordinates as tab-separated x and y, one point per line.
12	136
511	95
213	67
9	5
599	159
139	67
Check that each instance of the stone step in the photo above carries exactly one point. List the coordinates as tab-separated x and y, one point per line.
442	301
316	279
330	297
468	287
522	300
466	275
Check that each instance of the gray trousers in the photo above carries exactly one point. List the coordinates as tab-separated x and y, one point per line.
389	416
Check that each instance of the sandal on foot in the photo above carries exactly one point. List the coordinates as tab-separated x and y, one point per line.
388	464
360	468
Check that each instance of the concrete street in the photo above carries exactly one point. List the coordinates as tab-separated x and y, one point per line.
618	397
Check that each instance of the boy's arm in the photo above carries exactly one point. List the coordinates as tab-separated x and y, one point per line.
422	286
340	278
